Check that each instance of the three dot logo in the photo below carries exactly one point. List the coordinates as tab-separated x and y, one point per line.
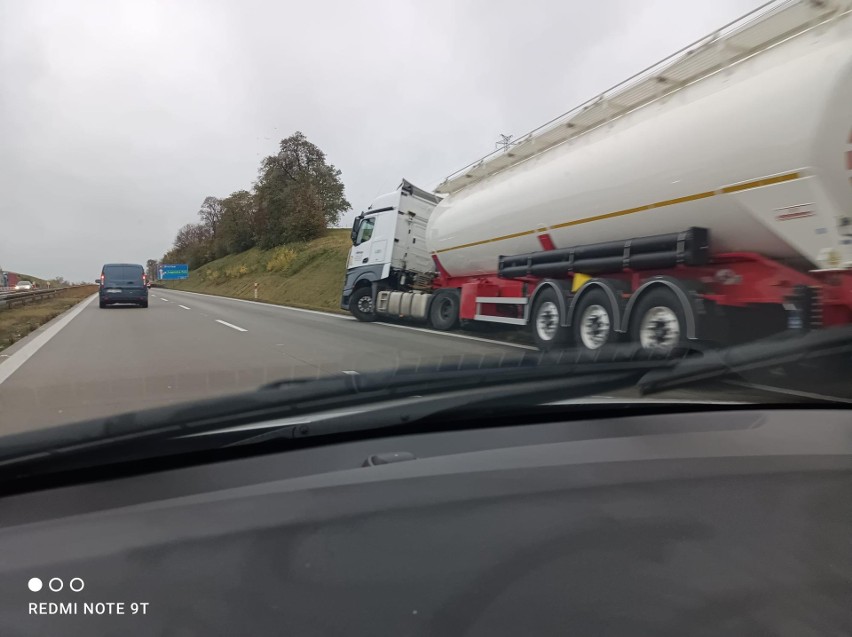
56	584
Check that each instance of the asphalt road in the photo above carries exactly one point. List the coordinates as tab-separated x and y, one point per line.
94	362
186	346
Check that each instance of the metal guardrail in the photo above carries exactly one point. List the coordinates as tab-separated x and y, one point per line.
13	299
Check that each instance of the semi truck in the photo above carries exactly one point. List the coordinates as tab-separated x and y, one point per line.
706	199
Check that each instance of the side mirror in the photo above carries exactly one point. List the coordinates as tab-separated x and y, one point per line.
356	225
98	281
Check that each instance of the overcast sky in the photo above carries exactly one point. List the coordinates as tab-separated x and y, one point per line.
118	118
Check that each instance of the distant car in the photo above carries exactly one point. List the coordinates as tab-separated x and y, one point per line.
24	285
123	283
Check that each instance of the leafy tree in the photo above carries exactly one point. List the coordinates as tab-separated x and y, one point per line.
151	269
193	245
296	197
237	230
298	194
210	214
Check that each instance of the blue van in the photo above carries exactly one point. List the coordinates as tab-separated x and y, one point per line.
123	283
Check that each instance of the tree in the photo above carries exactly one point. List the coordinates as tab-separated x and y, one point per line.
237	231
297	193
193	245
152	267
211	214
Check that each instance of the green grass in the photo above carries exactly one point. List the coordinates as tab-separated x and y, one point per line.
308	275
17	322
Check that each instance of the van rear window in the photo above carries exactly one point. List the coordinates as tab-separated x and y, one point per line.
123	272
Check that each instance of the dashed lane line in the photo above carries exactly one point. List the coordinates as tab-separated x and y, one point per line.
232	326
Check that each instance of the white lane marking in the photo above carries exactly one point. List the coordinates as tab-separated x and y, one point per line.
162	299
14	361
465	336
239	329
352	318
351	372
790	392
183	306
273	305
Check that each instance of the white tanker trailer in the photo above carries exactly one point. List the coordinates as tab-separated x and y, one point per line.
709	193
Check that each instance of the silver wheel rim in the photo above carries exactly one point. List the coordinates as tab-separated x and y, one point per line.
365	304
659	329
547	321
594	327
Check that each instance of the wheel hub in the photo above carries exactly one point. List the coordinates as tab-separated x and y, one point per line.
365	304
547	321
594	327
660	329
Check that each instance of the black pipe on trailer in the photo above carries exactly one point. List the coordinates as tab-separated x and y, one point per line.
690	247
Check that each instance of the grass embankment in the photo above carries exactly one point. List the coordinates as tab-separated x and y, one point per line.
17	322
308	275
42	283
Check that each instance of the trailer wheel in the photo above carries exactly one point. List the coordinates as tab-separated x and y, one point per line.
594	322
444	310
546	323
361	304
658	322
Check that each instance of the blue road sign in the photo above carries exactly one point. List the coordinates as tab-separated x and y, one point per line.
170	272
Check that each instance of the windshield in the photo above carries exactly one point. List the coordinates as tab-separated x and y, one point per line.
127	273
181	183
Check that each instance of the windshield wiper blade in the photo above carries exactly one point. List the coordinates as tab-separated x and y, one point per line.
778	350
497	398
615	368
528	379
290	399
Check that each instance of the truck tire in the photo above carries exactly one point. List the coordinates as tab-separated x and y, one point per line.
546	322
361	304
444	310
101	304
658	322
594	321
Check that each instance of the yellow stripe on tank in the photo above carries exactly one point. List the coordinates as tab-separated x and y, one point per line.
766	181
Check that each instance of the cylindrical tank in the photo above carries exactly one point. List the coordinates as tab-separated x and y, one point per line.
759	153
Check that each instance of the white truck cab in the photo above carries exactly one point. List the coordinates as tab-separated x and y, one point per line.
388	247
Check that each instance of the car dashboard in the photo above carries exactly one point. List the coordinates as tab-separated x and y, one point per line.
732	522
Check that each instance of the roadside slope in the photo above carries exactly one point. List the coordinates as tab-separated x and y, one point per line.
17	322
306	275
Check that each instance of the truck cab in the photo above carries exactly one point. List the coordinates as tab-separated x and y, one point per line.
388	248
